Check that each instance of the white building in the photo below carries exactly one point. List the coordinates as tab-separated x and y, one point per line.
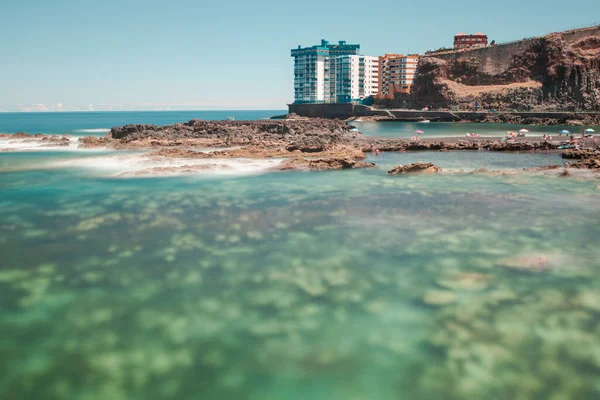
357	77
334	73
315	71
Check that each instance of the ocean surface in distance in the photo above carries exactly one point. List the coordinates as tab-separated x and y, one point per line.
98	123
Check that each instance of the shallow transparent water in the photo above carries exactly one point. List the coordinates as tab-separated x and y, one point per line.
393	129
331	285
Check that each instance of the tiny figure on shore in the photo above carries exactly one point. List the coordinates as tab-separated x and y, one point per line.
374	150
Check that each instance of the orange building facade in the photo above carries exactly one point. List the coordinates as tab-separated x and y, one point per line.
464	41
396	73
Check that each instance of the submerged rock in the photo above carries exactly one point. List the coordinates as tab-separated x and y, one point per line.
464	281
565	173
528	263
92	141
427	168
184	169
321	164
439	297
178	153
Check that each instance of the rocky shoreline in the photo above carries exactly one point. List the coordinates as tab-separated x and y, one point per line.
299	144
567	119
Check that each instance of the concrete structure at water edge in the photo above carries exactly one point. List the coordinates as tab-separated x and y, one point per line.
333	73
396	73
349	110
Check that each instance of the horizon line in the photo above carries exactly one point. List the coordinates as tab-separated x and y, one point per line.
139	110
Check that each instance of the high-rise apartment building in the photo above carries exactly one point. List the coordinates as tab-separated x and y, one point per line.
315	71
396	73
357	78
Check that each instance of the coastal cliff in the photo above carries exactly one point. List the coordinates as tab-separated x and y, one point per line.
560	71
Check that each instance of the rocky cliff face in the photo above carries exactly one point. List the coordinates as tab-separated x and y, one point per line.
552	73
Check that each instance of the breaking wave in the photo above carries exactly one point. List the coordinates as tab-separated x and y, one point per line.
144	165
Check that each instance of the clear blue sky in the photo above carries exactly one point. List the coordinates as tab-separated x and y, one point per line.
225	53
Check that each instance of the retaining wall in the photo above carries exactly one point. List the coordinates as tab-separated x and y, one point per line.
345	111
496	59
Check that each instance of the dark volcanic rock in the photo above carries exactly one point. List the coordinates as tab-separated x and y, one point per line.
309	145
588	163
368	144
588	158
312	135
427	168
580	154
544	168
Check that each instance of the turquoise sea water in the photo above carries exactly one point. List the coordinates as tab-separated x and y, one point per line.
98	123
444	129
321	285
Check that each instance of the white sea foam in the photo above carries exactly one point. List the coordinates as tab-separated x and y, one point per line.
34	144
37	144
142	164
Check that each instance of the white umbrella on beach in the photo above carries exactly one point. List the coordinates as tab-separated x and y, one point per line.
523	131
589	130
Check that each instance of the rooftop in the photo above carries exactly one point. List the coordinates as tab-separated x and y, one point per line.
460	34
325	46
